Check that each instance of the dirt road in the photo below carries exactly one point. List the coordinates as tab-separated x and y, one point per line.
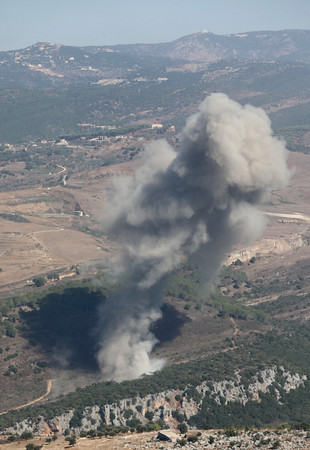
48	390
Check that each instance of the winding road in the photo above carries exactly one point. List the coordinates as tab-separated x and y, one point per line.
48	390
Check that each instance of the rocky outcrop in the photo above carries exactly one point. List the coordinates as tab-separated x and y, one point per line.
171	406
235	391
42	426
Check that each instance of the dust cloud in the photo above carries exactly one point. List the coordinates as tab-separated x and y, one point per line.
195	203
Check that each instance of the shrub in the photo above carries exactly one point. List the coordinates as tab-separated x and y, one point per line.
183	428
149	415
71	440
39	281
53	276
193	438
128	413
238	263
26	435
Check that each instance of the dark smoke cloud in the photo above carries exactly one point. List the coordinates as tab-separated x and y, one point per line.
196	203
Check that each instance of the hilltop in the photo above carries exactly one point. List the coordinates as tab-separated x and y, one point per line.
288	45
46	64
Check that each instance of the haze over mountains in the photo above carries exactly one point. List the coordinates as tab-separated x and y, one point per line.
45	64
48	90
208	47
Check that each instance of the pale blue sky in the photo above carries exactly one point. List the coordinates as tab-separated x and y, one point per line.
106	22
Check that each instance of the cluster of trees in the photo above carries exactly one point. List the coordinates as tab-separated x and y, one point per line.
186	285
290	349
56	314
41	281
14	217
294	137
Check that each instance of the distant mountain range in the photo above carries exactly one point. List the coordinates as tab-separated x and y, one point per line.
292	45
46	65
47	90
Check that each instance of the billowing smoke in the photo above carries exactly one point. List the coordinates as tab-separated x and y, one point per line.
198	202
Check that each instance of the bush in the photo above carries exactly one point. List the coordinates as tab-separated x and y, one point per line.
178	415
231	432
39	281
92	433
53	276
12	438
183	428
149	415
238	263
11	356
42	364
128	413
71	440
193	438
26	435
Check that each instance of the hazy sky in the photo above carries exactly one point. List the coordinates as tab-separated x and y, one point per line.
100	22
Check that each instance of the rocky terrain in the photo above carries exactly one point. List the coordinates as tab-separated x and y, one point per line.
269	438
167	406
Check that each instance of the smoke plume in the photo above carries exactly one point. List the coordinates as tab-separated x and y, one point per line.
198	202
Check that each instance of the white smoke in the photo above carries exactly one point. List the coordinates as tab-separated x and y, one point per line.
198	202
126	355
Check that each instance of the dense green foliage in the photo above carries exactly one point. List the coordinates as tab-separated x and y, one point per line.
48	113
188	285
294	137
54	320
291	349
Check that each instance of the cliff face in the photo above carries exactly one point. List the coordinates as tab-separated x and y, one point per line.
170	406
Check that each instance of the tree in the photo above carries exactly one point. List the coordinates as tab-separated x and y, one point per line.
237	262
92	433
183	428
39	281
71	440
193	438
53	276
32	446
149	415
